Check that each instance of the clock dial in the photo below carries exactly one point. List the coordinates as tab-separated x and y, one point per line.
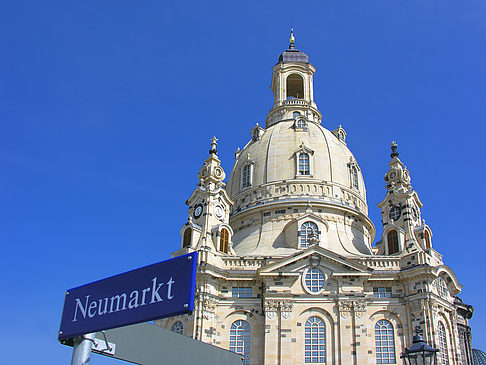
218	211
198	210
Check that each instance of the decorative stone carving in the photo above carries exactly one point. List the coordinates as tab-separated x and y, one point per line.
209	305
359	307
345	307
270	307
285	309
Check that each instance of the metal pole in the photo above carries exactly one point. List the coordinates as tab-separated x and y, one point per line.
82	349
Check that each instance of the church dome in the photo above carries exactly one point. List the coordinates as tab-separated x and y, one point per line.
293	55
296	184
274	158
479	357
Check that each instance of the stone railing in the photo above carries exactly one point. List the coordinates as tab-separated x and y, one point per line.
240	263
381	263
295	102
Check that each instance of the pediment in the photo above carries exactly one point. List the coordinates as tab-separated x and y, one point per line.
315	256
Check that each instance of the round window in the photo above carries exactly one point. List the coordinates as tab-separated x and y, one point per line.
395	213
314	280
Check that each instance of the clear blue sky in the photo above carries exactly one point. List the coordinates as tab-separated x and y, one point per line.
107	108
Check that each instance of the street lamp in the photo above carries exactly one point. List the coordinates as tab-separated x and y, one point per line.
420	353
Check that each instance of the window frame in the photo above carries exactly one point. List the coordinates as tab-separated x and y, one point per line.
315	344
187	238
303	159
386	326
241	292
385	293
224	238
443	355
321	277
177	327
303	238
388	235
240	329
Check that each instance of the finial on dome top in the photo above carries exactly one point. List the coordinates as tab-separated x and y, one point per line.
292	39
213	146
394	146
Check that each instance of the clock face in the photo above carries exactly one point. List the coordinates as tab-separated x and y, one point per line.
393	174
395	213
198	211
218	211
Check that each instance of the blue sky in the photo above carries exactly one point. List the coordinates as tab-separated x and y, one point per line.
107	109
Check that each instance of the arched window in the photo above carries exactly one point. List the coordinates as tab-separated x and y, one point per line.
308	230
384	343
354	177
295	115
178	327
442	288
427	240
443	352
315	340
240	340
301	123
304	166
186	242
245	176
224	241
295	86
392	239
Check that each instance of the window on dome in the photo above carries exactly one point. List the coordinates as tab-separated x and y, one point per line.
315	341
245	176
224	241
392	240
308	230
443	350
295	87
304	164
178	327
240	340
384	343
186	242
295	115
301	123
354	177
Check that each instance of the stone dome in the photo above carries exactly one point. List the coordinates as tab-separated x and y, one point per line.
293	55
296	184
266	186
479	357
273	156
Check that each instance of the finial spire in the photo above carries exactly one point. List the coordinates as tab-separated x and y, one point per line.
213	146
292	39
394	146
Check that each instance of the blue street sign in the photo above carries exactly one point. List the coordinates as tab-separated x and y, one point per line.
156	291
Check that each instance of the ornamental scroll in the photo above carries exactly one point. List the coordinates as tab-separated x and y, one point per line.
272	306
346	307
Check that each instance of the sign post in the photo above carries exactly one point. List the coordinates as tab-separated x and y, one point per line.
82	349
152	292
